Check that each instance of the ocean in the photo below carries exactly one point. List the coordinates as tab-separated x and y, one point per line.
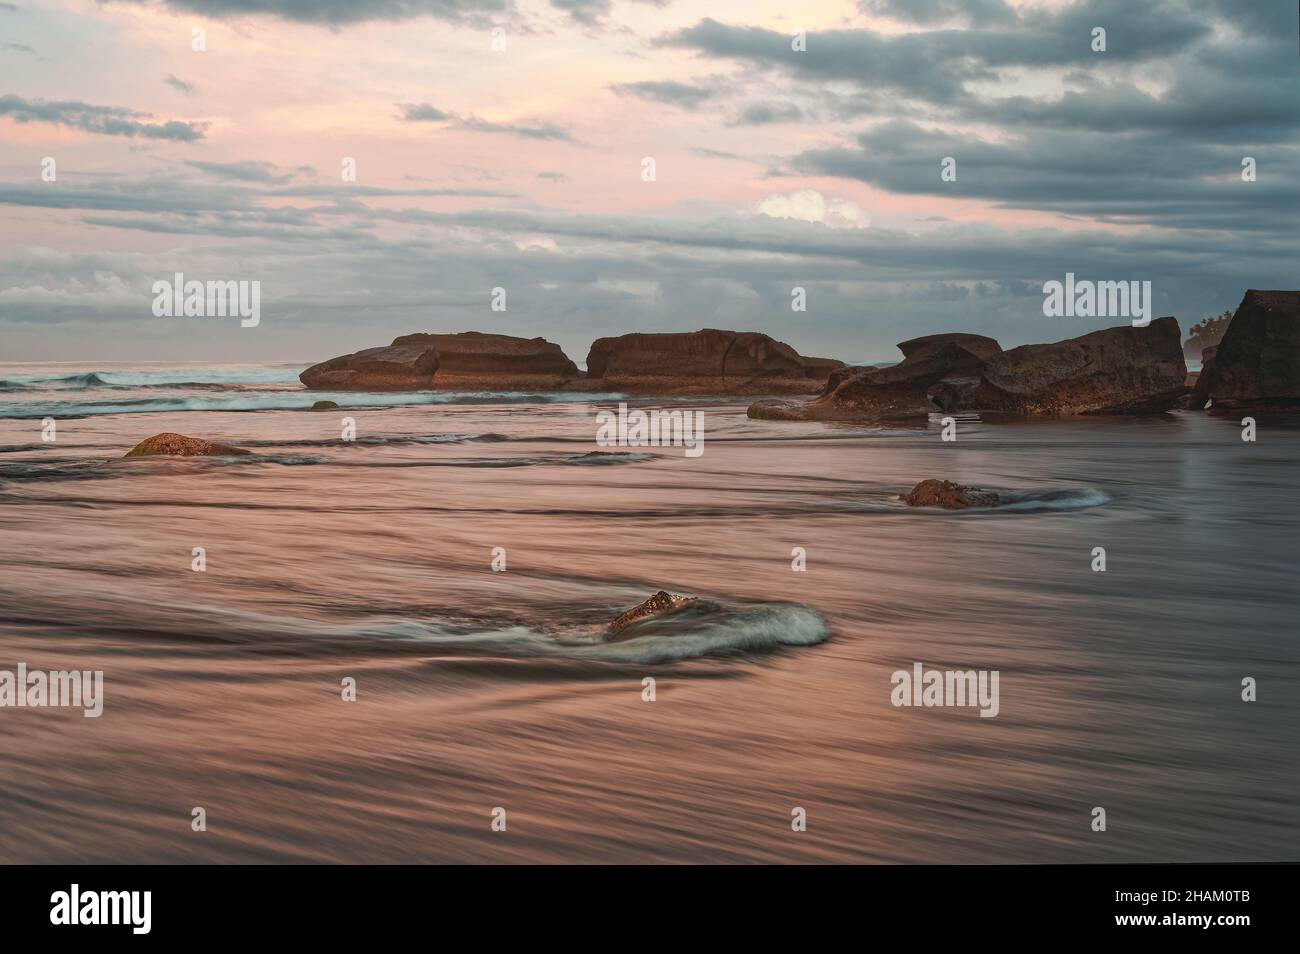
481	689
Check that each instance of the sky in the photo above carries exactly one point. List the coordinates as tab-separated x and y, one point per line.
503	144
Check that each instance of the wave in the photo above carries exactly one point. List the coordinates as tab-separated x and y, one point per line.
1031	501
567	635
71	381
284	400
709	629
1058	500
99	467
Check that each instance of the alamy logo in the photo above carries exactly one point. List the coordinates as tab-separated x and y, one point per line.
83	689
651	429
935	687
103	907
195	299
1088	299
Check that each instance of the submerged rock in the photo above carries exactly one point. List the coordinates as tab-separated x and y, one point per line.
324	406
661	604
178	445
1257	363
948	495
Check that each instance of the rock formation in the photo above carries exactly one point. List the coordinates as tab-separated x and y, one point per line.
470	361
178	445
699	362
704	362
399	367
1122	370
1257	363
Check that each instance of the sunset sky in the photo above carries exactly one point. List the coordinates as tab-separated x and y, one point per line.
522	168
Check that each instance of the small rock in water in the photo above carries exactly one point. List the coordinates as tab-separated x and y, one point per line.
324	405
661	604
950	496
181	446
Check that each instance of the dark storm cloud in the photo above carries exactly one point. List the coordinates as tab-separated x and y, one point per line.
1123	176
936	65
106	120
669	92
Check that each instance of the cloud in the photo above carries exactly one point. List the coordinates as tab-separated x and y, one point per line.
341	12
809	205
552	176
762	114
976	12
176	83
669	92
104	120
584	12
424	113
939	66
247	170
1133	177
525	130
18	48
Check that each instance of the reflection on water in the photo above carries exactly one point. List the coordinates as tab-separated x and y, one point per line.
475	689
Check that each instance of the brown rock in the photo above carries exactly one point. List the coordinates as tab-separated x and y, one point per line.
324	406
470	361
981	348
178	445
948	495
1257	362
399	367
473	360
932	373
1122	370
819	369
661	604
702	362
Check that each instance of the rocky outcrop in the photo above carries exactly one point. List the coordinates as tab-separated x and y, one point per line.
661	604
324	405
1257	363
178	445
949	496
704	362
933	368
470	361
406	366
1122	370
699	362
819	369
